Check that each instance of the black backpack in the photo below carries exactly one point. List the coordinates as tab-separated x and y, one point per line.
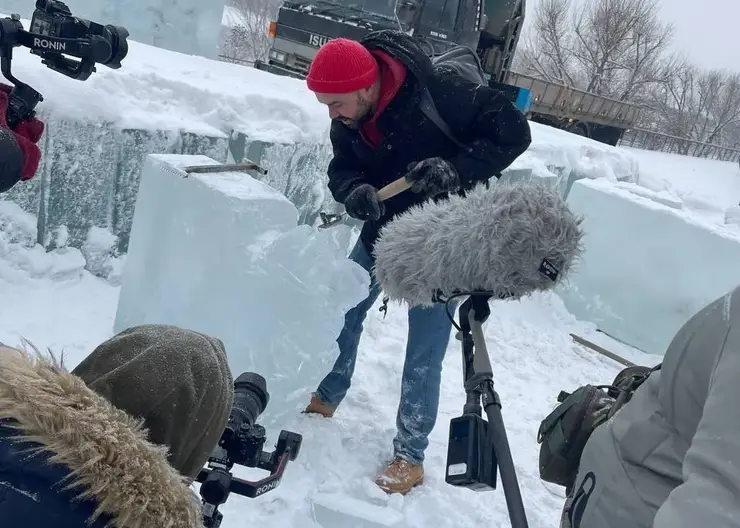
463	61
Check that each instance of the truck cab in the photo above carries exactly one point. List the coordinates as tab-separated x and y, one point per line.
304	26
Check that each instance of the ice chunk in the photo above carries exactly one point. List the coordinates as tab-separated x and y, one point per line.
222	254
511	176
102	256
187	26
335	510
732	215
647	267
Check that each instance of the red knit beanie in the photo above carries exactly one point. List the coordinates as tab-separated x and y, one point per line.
342	66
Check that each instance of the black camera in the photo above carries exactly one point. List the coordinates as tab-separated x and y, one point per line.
241	443
54	33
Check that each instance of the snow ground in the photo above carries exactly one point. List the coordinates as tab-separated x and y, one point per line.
532	353
533	358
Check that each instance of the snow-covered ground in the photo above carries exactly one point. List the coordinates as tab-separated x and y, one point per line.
533	358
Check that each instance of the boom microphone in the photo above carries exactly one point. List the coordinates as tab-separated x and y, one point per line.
508	240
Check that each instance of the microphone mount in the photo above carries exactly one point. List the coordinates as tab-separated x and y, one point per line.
477	448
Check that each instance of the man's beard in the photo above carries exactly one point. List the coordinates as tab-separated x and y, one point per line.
365	111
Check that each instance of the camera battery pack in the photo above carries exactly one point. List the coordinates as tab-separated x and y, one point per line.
471	459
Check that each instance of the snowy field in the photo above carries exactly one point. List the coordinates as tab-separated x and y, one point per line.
532	353
51	301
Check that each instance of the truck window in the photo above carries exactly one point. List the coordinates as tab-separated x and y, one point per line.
440	14
383	8
499	14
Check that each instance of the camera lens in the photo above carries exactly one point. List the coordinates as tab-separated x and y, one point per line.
250	400
117	36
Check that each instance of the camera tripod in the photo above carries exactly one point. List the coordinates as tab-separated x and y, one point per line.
477	447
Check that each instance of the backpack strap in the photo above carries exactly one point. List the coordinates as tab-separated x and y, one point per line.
430	110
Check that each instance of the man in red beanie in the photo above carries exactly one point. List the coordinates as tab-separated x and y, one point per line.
379	133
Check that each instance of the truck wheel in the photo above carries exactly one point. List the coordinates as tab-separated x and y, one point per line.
580	129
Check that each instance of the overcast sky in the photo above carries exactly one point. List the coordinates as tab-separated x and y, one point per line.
707	30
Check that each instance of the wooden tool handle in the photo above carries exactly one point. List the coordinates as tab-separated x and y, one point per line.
394	188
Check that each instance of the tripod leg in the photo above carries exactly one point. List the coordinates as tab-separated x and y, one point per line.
497	430
507	470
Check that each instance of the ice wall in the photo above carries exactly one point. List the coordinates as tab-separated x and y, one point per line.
186	26
89	175
648	264
223	254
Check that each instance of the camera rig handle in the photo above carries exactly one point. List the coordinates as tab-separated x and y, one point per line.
23	99
217	482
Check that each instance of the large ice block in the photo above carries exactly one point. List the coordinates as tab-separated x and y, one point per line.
648	264
333	510
221	253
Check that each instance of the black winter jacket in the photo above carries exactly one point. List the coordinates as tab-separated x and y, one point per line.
479	116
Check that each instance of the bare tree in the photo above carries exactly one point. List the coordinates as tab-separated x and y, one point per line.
619	44
699	105
644	61
608	47
247	39
547	53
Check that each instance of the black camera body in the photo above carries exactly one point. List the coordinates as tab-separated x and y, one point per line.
55	31
242	444
54	35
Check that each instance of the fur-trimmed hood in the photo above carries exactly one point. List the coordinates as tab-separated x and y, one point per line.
105	449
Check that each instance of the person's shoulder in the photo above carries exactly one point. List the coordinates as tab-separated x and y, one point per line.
29	488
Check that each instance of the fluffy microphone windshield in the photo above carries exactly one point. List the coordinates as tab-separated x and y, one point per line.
510	240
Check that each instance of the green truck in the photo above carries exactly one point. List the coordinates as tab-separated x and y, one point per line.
491	27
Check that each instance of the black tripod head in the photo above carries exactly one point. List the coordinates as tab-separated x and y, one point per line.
54	33
241	443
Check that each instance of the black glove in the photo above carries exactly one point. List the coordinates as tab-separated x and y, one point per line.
433	176
363	203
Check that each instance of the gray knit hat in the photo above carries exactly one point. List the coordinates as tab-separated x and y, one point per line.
177	380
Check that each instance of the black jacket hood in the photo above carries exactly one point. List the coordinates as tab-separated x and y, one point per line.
402	47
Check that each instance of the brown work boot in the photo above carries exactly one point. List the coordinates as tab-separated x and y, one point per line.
400	476
318	407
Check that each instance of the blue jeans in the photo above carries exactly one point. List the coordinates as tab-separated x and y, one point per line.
429	334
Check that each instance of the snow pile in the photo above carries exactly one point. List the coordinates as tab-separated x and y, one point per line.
221	253
22	258
710	188
158	89
571	157
648	264
101	255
